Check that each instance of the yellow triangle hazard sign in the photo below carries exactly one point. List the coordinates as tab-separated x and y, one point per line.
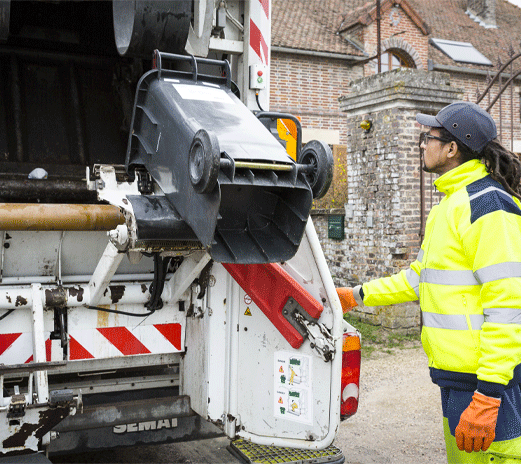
281	370
280	400
247	312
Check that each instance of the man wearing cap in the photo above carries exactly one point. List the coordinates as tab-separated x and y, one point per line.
467	277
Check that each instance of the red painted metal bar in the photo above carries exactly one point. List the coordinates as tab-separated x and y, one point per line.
270	287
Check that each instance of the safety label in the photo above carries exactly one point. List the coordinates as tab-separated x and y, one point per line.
198	92
293	395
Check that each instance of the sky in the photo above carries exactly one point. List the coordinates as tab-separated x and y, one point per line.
516	2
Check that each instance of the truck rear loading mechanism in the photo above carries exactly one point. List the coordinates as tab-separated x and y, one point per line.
160	277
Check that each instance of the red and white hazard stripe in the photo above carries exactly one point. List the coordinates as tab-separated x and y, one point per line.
17	348
260	29
102	342
107	342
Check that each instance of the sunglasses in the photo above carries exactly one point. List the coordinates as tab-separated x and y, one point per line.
425	137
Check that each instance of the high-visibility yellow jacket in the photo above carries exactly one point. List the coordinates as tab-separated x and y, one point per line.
468	279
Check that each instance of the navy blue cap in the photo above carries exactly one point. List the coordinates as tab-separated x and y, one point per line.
466	121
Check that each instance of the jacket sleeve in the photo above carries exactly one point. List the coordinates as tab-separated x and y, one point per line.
398	288
493	245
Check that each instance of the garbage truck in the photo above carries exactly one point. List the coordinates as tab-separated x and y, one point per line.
161	279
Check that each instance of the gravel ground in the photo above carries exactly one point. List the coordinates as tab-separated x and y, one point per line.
399	419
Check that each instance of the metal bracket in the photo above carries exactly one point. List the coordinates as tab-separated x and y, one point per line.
320	337
16	406
144	181
290	311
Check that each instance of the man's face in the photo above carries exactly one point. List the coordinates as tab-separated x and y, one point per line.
438	155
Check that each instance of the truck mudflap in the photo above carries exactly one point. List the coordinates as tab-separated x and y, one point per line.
222	171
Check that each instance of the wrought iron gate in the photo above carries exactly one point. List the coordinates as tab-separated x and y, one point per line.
507	71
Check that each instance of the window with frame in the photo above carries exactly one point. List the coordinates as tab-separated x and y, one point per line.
394	59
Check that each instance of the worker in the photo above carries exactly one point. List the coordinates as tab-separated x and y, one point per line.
467	277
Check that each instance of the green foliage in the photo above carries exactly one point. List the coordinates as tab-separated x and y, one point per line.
337	193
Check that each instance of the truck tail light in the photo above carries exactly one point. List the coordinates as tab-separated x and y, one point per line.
350	381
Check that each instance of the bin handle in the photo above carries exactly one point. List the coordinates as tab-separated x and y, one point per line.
160	56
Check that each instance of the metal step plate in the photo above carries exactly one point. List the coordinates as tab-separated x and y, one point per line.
262	454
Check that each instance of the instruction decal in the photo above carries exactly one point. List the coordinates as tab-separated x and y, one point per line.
198	92
292	384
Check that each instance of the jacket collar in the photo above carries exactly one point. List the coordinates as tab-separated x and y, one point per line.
461	176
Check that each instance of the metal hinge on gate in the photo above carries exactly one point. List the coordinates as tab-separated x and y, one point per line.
319	336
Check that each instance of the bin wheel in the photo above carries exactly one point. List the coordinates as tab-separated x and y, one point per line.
319	155
203	162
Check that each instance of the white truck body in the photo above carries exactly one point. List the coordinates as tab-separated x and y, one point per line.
87	361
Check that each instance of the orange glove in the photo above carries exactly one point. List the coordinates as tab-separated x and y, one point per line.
346	298
477	425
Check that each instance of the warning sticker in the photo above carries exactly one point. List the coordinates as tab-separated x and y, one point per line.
293	394
247	312
198	92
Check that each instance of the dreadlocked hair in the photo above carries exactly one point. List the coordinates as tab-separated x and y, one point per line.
502	165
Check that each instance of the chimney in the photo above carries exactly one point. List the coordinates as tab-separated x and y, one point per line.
483	12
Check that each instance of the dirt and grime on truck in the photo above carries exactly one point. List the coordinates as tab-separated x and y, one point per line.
160	277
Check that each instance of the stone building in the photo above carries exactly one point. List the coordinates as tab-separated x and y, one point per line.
324	70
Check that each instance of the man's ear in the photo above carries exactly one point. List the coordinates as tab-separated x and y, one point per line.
453	149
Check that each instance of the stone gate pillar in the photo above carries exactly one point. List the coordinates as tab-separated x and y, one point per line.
383	213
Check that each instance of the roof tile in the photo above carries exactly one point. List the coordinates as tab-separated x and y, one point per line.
313	25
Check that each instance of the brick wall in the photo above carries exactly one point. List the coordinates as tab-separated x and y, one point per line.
383	165
383	215
397	31
309	87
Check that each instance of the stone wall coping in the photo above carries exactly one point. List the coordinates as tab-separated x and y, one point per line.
401	88
421	77
328	211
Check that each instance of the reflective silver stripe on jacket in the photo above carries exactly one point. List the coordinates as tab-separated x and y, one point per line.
503	315
498	271
414	280
452	321
442	277
489	189
420	255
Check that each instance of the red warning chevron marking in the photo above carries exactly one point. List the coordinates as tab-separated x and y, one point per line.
108	342
123	340
172	332
258	43
6	340
77	351
266	7
47	352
